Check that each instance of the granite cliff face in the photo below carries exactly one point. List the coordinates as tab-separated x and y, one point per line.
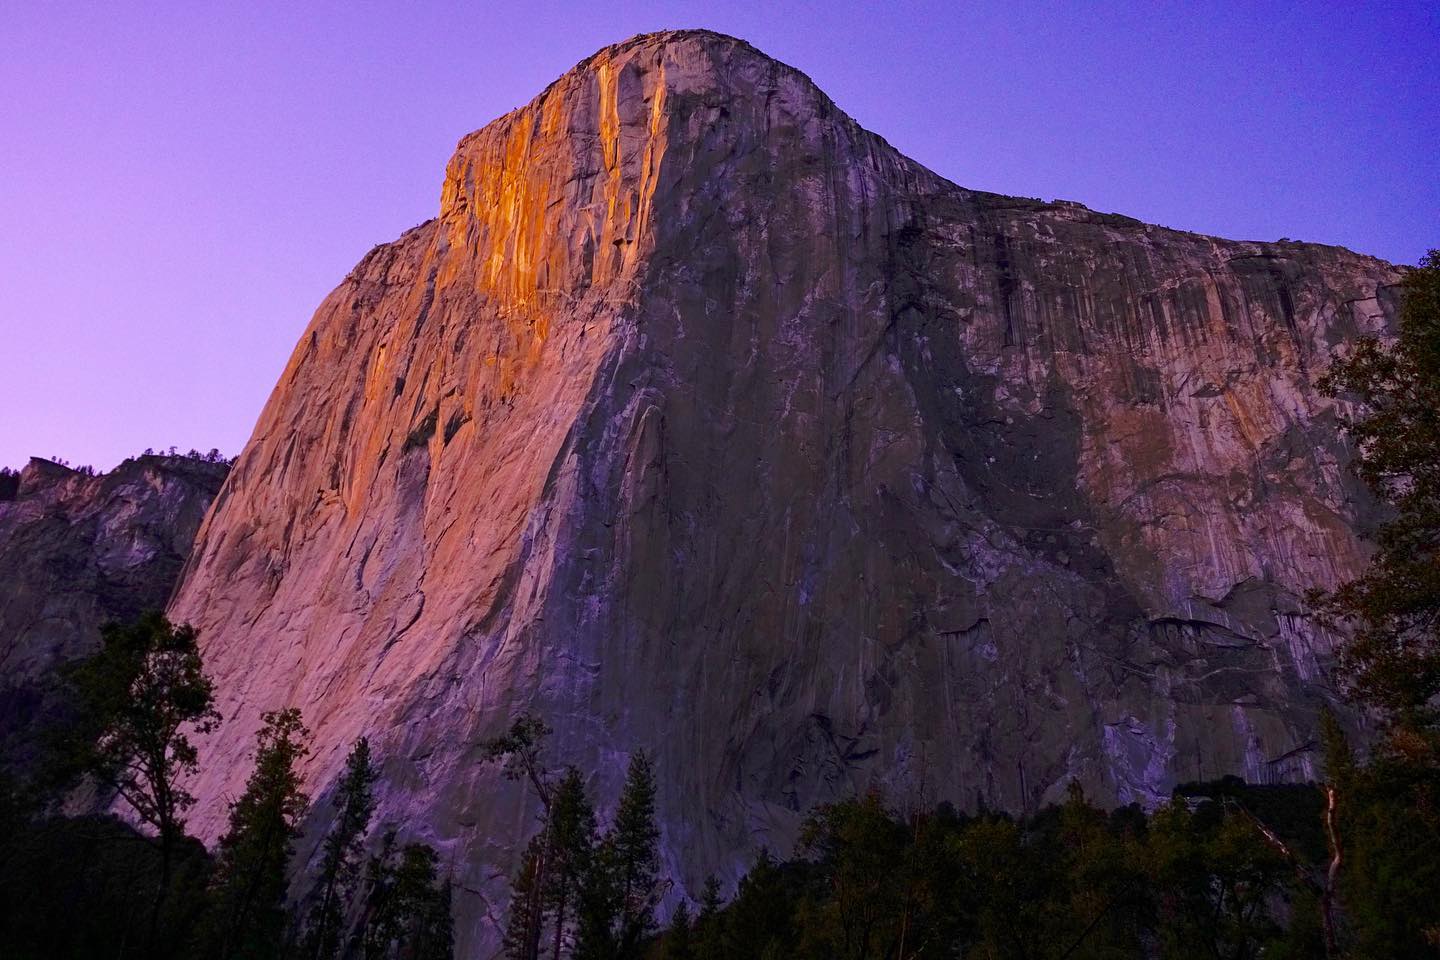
77	551
702	421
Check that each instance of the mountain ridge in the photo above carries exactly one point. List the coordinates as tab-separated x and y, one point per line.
78	550
702	421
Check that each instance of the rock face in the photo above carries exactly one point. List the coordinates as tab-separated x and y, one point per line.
704	422
77	551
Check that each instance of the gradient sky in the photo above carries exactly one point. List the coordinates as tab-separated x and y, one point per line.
182	183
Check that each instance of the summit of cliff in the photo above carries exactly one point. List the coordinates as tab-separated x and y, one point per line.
709	57
715	64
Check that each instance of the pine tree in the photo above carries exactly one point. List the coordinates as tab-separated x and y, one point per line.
679	941
424	904
709	932
600	905
135	700
408	908
439	941
758	922
637	856
340	862
621	889
249	895
377	922
571	840
522	928
519	753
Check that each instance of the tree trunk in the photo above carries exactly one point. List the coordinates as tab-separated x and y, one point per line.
241	916
1327	895
537	904
166	843
560	919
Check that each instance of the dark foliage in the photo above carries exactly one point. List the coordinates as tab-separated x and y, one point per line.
407	908
135	703
9	483
213	455
95	886
84	887
621	888
572	859
341	856
1383	814
1196	880
1393	660
525	922
248	894
520	755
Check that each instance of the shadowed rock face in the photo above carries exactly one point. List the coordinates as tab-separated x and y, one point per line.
704	422
78	551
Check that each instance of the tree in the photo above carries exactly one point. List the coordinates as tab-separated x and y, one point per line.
135	701
408	909
622	886
1382	821
340	862
518	751
709	932
760	920
1393	659
1383	816
1217	881
599	906
565	846
860	851
636	841
679	944
526	916
1011	884
1103	857
250	875
572	840
439	925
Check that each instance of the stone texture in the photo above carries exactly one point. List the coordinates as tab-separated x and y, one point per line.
77	551
702	421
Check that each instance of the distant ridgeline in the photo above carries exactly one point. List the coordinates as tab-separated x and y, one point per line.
79	549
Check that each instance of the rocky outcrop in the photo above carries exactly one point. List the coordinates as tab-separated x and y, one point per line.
704	422
79	550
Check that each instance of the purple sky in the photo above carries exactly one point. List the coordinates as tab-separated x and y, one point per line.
182	183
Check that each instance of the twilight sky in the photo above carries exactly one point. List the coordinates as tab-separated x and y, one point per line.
182	183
